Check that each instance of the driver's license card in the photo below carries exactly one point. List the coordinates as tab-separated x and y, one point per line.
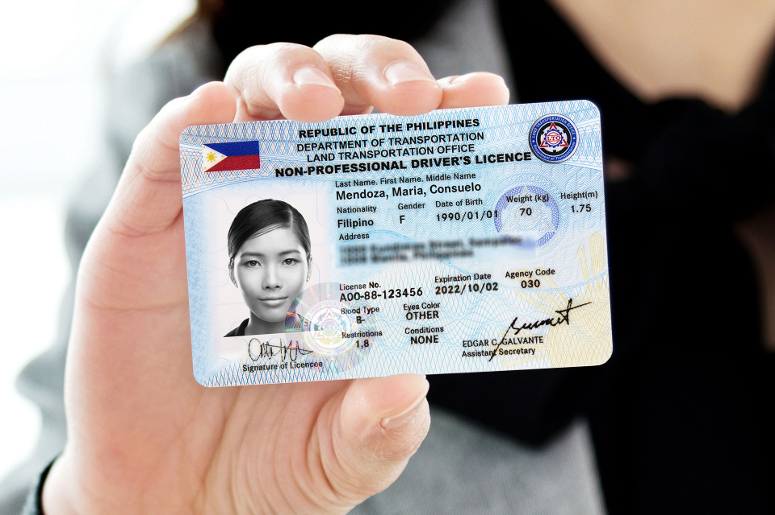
462	240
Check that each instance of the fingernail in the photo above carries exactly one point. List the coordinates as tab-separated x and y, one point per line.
404	71
405	417
312	76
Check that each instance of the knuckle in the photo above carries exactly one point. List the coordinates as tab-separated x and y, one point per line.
369	43
332	41
364	45
255	62
281	49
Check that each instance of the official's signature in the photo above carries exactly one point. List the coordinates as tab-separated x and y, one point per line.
552	321
268	350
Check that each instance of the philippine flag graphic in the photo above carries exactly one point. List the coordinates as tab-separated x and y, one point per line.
224	157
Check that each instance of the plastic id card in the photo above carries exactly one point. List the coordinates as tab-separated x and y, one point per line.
462	240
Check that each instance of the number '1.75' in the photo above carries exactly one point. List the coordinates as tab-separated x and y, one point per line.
581	208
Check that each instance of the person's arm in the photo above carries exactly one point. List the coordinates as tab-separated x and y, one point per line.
144	437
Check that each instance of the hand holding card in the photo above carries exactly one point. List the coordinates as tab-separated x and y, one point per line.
143	435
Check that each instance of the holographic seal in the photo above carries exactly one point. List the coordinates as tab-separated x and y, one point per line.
334	328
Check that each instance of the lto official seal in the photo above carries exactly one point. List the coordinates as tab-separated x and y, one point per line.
553	138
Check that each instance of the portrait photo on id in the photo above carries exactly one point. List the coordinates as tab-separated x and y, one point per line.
269	262
454	256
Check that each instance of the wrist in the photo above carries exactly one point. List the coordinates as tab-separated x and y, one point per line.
54	495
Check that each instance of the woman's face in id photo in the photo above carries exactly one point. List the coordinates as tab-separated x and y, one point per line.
271	270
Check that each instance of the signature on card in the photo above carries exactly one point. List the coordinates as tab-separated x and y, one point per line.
514	328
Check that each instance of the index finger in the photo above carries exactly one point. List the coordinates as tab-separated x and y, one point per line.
382	72
283	80
341	75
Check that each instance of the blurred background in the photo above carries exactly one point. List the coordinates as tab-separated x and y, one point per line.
56	55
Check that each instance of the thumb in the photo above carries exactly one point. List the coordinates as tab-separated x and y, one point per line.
382	422
148	197
137	249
